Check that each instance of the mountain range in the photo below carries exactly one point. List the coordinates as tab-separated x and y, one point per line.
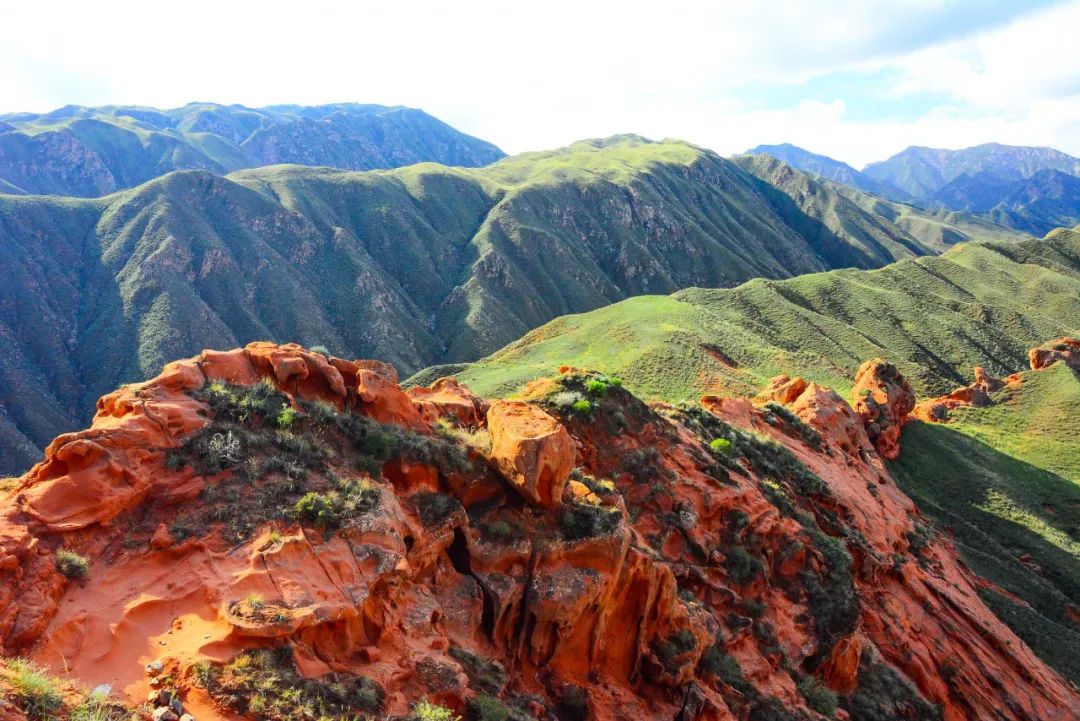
1029	189
417	266
80	151
759	438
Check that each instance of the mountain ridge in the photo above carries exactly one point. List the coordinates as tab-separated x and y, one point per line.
93	151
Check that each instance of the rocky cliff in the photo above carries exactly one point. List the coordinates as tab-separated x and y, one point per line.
271	533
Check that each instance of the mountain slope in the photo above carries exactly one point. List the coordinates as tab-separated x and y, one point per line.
87	152
923	171
1048	199
979	304
828	168
834	212
416	266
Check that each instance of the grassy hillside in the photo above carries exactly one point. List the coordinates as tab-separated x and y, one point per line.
93	151
1005	480
417	266
935	317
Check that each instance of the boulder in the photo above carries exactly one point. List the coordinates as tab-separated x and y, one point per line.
531	450
380	399
447	399
883	399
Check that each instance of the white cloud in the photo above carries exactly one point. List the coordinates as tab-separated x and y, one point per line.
540	75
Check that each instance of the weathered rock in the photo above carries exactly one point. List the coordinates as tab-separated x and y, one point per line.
161	538
936	410
447	399
381	400
1066	350
883	399
531	449
619	600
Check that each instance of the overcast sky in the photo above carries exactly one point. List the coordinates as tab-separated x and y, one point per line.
855	79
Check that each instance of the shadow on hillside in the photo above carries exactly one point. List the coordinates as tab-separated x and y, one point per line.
950	475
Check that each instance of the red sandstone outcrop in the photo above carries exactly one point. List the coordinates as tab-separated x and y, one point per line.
882	398
668	564
1066	350
978	394
446	399
531	449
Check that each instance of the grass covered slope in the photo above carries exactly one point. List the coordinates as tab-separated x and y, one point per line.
416	266
93	151
937	317
1005	480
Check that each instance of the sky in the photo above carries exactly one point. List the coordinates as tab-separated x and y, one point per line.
857	80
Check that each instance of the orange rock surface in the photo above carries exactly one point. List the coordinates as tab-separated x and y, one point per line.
449	400
531	449
883	398
666	564
1066	350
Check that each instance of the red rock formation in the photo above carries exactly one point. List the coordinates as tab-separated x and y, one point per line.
977	394
633	593
449	400
531	449
1066	350
883	399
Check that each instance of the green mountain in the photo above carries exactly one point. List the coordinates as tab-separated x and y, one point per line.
831	211
936	317
829	169
921	172
1048	199
417	266
88	152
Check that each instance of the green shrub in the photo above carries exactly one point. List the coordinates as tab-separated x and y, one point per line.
583	520
742	567
721	445
817	696
488	677
265	683
286	417
596	388
97	707
72	565
35	692
503	531
434	508
488	708
321	349
427	711
582	407
725	667
317	509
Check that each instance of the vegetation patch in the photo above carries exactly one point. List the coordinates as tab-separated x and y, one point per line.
425	710
265	685
72	565
818	696
585	520
488	677
38	694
